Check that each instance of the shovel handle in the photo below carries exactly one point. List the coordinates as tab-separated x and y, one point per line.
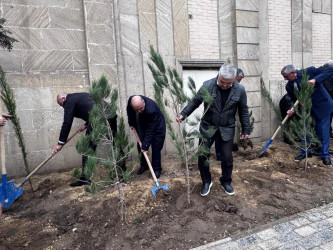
284	121
43	163
146	156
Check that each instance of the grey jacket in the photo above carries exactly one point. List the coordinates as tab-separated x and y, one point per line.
218	117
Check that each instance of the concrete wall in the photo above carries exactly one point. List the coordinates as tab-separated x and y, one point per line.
65	45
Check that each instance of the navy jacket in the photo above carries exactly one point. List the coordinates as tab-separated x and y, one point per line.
151	120
322	103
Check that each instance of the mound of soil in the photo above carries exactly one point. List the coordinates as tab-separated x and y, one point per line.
56	216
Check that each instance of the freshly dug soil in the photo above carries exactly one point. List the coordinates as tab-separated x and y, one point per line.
57	216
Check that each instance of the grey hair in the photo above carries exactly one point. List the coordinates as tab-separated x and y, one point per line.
328	64
288	69
240	73
228	71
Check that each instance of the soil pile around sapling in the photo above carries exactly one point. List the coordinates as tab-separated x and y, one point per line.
266	189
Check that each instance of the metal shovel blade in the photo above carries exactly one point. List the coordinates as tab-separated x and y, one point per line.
265	147
154	189
8	192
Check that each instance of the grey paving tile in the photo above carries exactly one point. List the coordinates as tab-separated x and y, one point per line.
268	234
313	216
311	242
328	211
300	221
289	237
321	225
284	227
305	231
291	246
270	244
326	235
248	241
327	246
228	246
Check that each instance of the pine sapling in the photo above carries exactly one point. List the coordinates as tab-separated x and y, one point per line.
175	98
112	166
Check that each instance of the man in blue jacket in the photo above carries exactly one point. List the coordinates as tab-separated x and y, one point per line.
322	104
146	117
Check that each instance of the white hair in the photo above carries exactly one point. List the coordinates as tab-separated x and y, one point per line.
228	71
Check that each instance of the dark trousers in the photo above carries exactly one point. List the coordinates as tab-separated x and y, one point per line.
156	147
113	125
225	150
323	132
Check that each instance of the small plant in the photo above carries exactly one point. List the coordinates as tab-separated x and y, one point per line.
302	128
107	171
138	219
183	139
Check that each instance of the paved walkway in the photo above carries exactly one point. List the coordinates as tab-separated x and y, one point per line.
312	229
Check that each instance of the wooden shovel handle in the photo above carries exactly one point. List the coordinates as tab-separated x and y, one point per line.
284	121
43	163
145	154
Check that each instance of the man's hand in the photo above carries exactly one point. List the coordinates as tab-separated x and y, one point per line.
57	148
244	136
290	112
179	118
2	121
81	128
312	81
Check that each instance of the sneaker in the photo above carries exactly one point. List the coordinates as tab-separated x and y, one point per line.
326	161
228	188
206	188
83	181
301	157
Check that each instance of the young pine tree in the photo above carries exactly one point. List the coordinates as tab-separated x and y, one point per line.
107	171
301	130
175	98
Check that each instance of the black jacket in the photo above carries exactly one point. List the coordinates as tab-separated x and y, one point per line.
76	105
151	120
218	117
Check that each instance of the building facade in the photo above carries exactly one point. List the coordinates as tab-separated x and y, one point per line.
64	45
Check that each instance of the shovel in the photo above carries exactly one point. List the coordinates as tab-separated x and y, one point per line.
277	131
157	185
8	191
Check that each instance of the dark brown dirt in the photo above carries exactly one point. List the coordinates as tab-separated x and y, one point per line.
57	216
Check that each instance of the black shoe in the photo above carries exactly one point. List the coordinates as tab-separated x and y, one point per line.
83	181
157	173
228	188
327	161
301	157
141	170
206	188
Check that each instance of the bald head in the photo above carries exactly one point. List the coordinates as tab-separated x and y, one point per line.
61	98
138	104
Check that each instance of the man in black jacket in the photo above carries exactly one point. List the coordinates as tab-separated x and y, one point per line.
146	117
218	123
78	105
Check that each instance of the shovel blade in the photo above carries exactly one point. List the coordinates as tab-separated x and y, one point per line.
265	147
154	189
8	192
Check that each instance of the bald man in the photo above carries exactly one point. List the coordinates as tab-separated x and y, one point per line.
146	117
78	105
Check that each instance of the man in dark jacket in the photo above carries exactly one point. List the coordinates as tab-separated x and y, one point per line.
218	123
146	117
78	105
322	104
